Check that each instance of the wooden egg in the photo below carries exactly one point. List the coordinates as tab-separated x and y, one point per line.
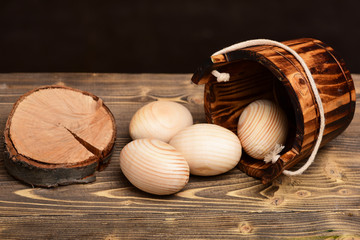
154	166
208	148
160	120
261	126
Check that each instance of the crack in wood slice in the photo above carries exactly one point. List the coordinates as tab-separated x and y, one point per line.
87	145
57	136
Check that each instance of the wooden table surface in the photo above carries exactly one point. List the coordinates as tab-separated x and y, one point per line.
323	203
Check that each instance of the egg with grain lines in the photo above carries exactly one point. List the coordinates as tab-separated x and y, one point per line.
160	120
262	125
209	149
154	166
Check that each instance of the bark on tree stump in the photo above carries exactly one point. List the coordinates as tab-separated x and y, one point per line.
57	136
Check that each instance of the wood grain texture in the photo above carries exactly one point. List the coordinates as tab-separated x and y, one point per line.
323	203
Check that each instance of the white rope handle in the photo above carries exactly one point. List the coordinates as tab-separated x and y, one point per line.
222	78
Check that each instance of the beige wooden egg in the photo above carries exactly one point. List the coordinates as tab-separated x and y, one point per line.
208	148
154	166
160	120
261	126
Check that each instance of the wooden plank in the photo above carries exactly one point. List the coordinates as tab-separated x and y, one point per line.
322	203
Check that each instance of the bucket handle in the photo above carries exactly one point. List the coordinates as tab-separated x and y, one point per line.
224	77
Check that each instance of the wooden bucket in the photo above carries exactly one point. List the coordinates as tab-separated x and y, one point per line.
270	72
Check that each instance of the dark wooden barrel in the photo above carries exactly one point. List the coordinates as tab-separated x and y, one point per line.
270	72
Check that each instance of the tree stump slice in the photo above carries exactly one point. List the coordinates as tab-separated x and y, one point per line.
57	135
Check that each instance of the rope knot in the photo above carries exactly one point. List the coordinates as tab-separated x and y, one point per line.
221	77
273	155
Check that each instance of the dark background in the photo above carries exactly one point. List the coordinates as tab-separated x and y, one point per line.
160	36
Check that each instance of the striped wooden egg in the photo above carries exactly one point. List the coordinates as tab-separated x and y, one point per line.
160	120
261	126
209	149
154	166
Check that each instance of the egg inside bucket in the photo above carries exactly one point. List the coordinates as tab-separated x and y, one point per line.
262	130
